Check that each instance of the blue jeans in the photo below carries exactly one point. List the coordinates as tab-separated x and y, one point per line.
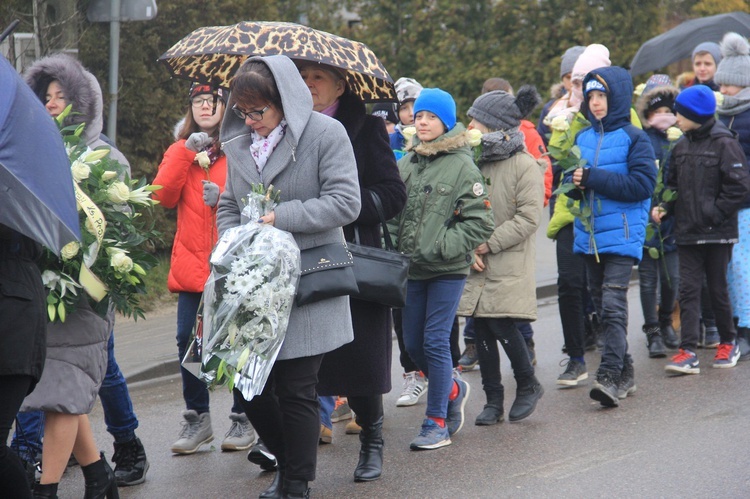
608	285
194	391
427	320
524	327
327	404
659	282
470	332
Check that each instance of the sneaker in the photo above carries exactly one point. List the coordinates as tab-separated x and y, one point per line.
341	411
260	455
727	356
712	337
532	353
626	386
326	435
415	385
685	362
196	431
431	436
604	390
455	419
575	372
241	434
130	461
469	359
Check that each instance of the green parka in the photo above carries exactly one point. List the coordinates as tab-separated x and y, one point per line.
447	213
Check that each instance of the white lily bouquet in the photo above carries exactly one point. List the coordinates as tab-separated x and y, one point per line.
247	300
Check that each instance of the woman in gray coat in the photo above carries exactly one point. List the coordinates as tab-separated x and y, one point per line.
272	136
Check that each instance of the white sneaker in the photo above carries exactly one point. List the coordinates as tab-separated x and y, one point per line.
415	385
241	435
196	431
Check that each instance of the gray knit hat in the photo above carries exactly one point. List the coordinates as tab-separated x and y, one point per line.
569	59
500	110
734	68
710	47
407	89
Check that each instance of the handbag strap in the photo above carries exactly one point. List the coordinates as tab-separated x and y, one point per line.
381	216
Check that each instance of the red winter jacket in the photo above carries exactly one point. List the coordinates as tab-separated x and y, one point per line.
180	178
535	146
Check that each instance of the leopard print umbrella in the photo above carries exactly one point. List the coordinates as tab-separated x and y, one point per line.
213	54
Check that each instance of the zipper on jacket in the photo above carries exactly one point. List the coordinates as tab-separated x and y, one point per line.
427	190
233	139
625	224
294	148
591	196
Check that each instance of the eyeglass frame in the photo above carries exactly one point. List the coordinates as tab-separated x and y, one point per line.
243	115
211	101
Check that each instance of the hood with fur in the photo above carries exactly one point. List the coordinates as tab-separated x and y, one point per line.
642	103
80	87
454	140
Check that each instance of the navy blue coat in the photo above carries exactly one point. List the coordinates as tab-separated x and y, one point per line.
740	123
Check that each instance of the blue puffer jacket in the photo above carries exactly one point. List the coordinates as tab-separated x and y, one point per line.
620	175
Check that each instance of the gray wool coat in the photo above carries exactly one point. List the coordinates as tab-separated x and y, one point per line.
314	168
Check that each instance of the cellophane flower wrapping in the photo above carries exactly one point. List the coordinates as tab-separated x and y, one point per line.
247	301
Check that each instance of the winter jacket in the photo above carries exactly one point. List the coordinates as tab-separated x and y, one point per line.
538	149
507	286
363	367
709	173
620	175
661	147
315	171
182	187
447	213
740	123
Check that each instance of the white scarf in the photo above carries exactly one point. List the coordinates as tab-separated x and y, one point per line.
262	147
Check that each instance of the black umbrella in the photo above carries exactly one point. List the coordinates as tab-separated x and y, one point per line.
36	186
678	43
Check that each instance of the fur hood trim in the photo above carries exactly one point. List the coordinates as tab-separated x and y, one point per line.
454	139
557	91
642	102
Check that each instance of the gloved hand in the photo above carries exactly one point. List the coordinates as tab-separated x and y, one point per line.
210	193
198	140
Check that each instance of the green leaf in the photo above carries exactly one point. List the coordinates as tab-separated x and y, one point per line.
565	188
586	211
653	253
649	231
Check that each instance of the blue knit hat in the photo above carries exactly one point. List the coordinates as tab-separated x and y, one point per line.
438	102
696	103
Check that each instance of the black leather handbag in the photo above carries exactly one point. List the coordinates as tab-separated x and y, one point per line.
381	273
326	272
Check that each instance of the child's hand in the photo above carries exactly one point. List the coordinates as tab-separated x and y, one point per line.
478	264
578	177
482	249
657	213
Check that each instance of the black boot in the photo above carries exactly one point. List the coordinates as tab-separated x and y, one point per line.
656	348
100	480
669	335
491	414
743	341
295	489
370	465
528	394
45	491
131	463
274	490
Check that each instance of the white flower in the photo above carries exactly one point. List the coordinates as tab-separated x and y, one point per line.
202	159
90	227
118	192
559	123
719	98
639	89
50	278
408	132
70	250
108	175
673	133
80	171
474	136
121	262
141	195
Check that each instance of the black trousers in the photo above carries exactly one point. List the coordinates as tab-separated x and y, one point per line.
489	332
571	291
13	482
286	416
697	261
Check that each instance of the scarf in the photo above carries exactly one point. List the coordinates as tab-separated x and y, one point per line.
262	147
500	145
662	121
733	105
330	111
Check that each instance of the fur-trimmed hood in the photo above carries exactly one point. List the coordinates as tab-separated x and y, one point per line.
455	140
642	103
557	91
81	89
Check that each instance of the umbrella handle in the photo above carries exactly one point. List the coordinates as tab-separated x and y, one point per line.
7	31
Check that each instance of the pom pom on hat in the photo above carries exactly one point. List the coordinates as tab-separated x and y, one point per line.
595	56
500	110
438	102
734	68
569	59
696	103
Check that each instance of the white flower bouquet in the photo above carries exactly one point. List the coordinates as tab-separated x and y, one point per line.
247	300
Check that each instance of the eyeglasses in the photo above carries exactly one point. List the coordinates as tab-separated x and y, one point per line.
199	101
253	115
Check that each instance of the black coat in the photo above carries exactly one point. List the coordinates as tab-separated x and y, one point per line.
363	367
709	172
23	307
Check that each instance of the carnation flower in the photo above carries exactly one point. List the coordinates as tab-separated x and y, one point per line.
80	171
474	136
70	250
118	192
673	133
121	262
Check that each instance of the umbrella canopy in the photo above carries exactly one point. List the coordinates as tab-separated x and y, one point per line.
678	43
213	54
36	186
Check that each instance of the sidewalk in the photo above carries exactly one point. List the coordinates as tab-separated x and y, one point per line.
147	349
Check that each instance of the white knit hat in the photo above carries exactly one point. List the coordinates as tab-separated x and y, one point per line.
595	56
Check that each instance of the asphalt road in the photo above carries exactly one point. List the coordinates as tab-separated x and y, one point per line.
675	437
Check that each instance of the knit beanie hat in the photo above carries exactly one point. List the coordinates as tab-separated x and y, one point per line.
734	68
200	88
385	110
595	83
569	59
500	110
710	47
660	99
696	103
595	56
438	102
407	89
657	80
